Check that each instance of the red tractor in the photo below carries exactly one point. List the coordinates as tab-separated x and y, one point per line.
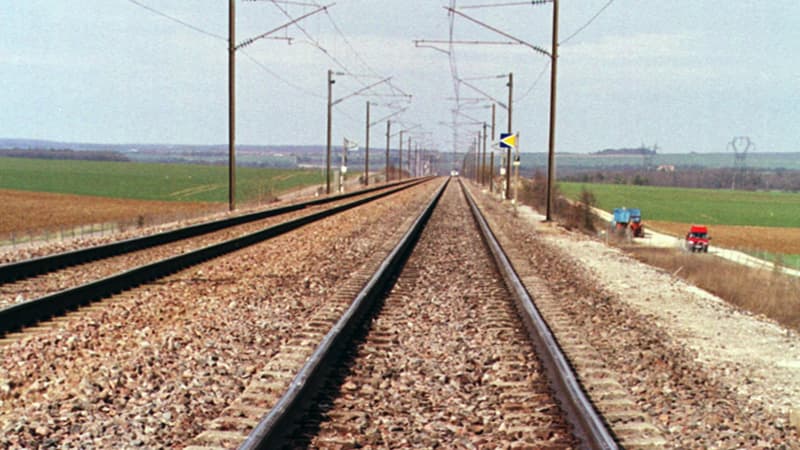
697	239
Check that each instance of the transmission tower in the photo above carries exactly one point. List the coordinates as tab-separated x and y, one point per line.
740	145
648	155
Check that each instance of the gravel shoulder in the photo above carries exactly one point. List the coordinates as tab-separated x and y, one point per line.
752	355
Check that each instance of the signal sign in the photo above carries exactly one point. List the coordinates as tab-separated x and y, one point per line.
508	140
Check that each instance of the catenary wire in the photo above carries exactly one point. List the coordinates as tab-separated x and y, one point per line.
276	75
179	21
587	23
535	82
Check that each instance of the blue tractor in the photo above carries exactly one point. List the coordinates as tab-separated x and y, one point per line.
628	222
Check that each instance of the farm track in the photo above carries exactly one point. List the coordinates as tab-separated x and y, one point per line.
69	277
447	360
151	367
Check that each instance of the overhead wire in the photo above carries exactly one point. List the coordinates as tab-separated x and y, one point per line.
349	44
535	82
358	56
587	23
284	80
178	21
316	43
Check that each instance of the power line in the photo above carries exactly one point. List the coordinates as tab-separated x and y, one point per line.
179	21
274	74
535	82
313	41
496	5
347	42
587	23
358	56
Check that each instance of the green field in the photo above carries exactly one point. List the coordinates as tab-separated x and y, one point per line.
756	160
146	181
791	261
713	207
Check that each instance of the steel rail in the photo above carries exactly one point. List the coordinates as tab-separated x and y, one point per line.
280	421
588	426
23	314
45	264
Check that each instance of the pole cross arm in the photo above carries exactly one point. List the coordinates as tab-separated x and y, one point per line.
388	117
288	2
425	42
432	47
476	89
466	116
500	32
405	130
247	42
365	88
500	5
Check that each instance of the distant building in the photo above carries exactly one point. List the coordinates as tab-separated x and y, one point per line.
666	168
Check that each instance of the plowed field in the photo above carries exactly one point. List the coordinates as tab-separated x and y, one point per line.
24	211
770	239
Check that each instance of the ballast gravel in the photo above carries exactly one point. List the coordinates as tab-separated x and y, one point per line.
148	368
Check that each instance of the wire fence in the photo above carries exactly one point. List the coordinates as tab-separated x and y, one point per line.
121	228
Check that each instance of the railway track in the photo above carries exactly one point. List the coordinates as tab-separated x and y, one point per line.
22	269
51	285
447	361
199	357
151	365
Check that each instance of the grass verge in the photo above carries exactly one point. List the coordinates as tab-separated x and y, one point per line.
790	261
770	293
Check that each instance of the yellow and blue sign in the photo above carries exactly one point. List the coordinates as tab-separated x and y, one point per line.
508	140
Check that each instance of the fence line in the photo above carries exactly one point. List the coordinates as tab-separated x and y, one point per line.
16	239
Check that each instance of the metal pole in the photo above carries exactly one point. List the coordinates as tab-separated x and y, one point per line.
491	171
477	147
508	151
328	146
408	156
388	135
231	105
517	163
343	167
366	154
551	169
483	157
494	107
416	160
491	154
400	162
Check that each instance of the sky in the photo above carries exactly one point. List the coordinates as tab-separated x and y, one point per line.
685	76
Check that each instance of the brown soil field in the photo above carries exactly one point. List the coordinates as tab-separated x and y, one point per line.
774	240
25	212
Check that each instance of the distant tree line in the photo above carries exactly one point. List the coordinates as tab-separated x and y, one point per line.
625	151
705	178
84	155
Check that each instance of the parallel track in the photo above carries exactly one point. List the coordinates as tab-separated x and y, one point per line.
33	311
36	266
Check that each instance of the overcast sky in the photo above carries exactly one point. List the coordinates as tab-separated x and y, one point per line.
687	75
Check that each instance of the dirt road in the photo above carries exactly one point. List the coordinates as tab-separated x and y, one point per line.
656	239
